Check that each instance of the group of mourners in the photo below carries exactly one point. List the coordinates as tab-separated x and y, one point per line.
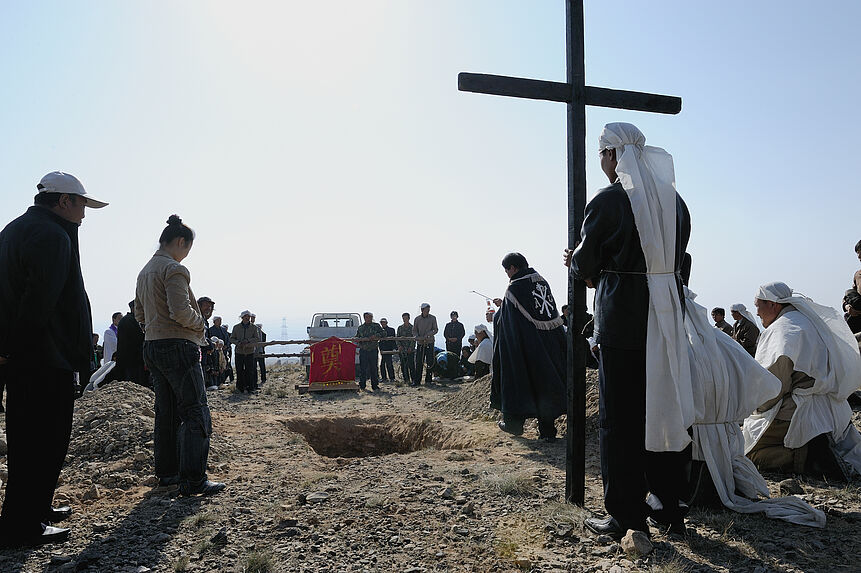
674	391
414	345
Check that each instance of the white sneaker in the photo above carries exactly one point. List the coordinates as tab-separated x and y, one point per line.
212	387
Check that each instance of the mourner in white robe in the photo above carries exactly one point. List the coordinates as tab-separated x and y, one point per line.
727	385
811	349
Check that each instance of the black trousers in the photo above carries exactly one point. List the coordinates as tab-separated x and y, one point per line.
261	363
183	423
39	405
246	372
408	366
368	368
387	367
424	357
627	469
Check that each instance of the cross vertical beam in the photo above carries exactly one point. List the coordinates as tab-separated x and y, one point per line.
575	459
577	95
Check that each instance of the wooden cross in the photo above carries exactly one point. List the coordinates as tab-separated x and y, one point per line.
577	95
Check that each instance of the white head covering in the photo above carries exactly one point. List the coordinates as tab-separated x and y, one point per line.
740	308
484	351
820	344
648	177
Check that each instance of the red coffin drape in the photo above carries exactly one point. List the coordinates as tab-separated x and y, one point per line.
333	361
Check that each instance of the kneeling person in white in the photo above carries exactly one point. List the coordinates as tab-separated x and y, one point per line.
811	350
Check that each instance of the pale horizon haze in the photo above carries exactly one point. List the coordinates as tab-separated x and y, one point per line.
327	162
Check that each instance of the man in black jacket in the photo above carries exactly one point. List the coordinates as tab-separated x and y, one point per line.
611	259
129	354
45	339
387	367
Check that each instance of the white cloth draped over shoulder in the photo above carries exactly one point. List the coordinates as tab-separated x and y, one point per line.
728	384
483	352
818	341
744	312
109	345
647	175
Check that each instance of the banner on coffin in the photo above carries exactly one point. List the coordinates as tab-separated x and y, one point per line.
333	363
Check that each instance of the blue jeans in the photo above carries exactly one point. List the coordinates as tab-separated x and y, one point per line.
182	421
368	368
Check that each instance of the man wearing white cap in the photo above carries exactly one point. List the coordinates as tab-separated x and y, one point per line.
633	243
45	339
244	337
807	428
744	330
425	328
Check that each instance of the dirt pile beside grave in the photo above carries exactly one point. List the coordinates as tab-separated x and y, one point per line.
112	440
472	402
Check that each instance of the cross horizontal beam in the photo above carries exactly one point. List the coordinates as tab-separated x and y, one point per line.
562	92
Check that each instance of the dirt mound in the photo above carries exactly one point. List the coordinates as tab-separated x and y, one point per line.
472	401
112	438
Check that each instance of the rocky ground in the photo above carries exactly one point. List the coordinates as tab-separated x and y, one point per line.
406	479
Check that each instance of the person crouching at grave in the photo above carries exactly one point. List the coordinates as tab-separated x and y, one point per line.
173	336
387	366
369	351
483	355
244	337
466	367
528	353
807	428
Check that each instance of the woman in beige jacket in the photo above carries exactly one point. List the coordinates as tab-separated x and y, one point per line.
173	328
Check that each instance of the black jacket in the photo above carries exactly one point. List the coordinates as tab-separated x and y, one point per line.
130	341
44	310
389	344
610	242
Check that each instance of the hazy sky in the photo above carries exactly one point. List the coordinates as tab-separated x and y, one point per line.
327	162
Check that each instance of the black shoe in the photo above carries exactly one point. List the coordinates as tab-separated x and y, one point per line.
168	481
48	535
206	488
607	526
56	514
375	387
509	429
548	439
362	386
674	529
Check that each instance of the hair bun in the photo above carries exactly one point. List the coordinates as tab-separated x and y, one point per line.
174	220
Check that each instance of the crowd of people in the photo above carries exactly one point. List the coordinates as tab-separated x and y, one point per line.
674	389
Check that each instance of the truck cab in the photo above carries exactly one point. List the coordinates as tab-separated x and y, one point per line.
328	324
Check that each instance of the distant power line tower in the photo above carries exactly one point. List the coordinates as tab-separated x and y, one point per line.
284	328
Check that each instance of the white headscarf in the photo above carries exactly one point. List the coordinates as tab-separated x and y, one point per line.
820	344
740	308
648	177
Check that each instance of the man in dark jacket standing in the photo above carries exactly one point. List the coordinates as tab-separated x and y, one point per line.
387	367
45	340
633	243
129	354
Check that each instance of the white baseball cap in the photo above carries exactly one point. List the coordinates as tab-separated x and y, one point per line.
59	182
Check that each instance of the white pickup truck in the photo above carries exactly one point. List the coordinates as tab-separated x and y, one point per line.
327	324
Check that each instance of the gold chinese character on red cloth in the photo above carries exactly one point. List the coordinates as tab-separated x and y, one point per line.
333	360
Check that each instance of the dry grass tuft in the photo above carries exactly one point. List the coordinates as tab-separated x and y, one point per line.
518	484
259	562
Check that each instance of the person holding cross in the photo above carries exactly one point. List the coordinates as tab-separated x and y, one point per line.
633	243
